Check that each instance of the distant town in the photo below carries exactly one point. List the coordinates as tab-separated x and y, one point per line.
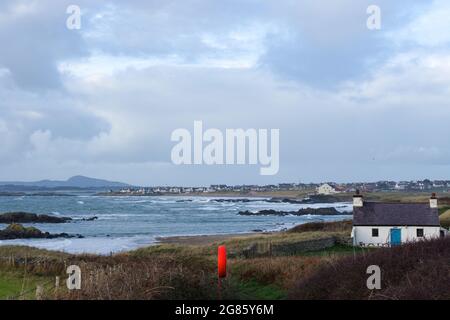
321	188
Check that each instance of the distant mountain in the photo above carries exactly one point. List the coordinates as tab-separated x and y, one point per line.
74	182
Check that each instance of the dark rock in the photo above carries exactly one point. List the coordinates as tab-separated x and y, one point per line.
285	200
88	219
324	198
12	194
18	231
301	212
263	213
25	217
234	200
48	194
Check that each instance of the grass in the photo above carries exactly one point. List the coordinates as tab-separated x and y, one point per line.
24	251
443	209
257	291
238	244
445	219
337	250
171	271
14	284
337	226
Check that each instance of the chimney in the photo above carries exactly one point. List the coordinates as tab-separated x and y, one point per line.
358	199
433	201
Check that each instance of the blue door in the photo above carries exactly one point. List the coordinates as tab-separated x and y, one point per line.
396	237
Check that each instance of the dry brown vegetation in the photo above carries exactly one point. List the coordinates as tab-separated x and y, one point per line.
279	271
172	271
166	276
418	270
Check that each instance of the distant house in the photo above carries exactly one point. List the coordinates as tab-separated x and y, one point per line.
388	224
325	189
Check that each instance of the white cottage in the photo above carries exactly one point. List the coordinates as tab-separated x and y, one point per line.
325	189
389	224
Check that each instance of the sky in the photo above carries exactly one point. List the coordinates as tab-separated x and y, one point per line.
350	103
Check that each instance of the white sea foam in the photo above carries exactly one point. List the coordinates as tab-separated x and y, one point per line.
95	245
126	219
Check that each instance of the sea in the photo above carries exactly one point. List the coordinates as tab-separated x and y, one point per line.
130	222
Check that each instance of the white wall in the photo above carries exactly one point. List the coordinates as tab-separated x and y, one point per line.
325	189
364	235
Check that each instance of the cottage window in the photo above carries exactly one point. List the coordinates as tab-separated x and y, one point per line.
420	232
374	232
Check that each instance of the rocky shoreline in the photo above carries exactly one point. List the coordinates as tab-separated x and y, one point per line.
15	229
300	212
18	231
308	200
26	217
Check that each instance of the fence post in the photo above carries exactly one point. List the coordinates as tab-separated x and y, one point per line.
39	292
56	287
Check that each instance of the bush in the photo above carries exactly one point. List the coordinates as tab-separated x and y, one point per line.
418	270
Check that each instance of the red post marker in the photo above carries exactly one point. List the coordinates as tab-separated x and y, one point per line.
222	261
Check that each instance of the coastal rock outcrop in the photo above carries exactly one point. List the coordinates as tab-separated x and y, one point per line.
87	219
25	217
18	231
300	212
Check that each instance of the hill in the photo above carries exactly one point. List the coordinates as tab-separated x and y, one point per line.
73	182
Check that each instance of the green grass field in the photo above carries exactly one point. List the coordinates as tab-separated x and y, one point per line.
14	284
445	218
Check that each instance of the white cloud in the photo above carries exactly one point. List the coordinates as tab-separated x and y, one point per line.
430	28
147	68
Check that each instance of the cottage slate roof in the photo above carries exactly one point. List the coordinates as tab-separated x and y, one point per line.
395	214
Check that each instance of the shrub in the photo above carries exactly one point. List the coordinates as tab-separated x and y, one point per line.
418	270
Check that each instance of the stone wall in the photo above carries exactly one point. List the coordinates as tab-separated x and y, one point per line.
263	249
303	246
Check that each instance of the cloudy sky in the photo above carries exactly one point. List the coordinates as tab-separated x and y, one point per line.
352	104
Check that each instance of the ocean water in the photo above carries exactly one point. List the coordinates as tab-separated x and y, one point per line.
130	222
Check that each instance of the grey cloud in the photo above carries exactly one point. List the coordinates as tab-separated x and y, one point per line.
368	123
23	114
330	43
35	39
